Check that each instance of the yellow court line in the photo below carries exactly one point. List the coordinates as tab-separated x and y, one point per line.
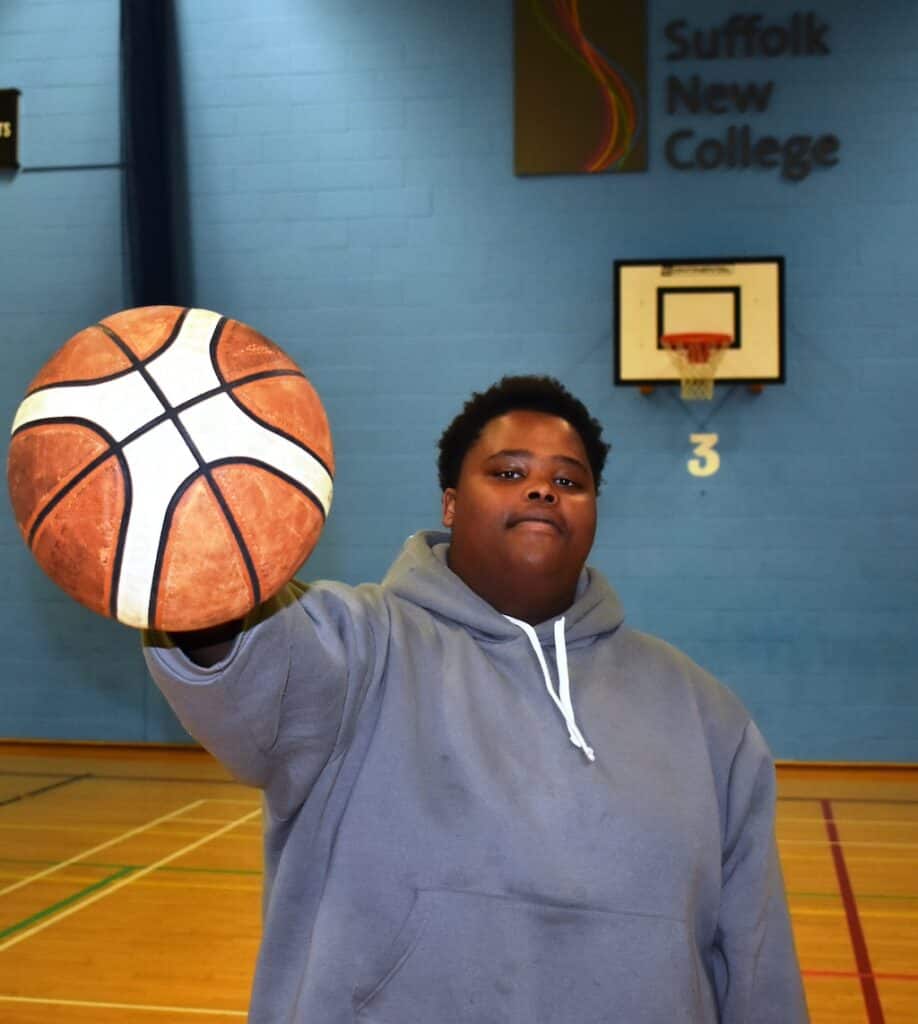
848	842
847	822
213	821
107	828
255	887
102	846
108	890
231	800
231	885
800	911
807	857
121	1006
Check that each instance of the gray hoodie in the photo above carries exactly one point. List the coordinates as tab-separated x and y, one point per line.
471	821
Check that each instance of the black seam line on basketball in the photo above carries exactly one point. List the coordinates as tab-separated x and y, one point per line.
116	448
203	471
169	411
225	388
125	351
202	463
189	403
248	412
80	383
229	388
281	433
122	536
136	361
113	449
212	350
140	367
246	460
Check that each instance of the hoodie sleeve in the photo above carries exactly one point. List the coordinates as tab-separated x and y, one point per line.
756	970
281	704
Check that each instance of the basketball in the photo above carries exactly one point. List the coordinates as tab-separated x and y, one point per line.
170	468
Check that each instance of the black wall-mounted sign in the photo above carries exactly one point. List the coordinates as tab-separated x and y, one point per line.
9	129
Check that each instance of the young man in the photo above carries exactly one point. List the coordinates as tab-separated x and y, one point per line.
487	799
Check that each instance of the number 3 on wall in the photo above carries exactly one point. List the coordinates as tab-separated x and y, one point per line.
708	461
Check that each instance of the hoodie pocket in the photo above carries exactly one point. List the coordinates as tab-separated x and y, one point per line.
497	960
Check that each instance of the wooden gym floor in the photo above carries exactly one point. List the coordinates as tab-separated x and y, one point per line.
130	883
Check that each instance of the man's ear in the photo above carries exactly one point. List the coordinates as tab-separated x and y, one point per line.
449	507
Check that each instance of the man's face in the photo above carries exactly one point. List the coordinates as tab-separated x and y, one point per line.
523	514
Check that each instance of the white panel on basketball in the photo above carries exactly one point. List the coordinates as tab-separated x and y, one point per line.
120	405
220	430
184	369
158	462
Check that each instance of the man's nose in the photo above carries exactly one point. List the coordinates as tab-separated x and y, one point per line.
541	492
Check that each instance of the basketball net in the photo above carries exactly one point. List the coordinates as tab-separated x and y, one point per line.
696	356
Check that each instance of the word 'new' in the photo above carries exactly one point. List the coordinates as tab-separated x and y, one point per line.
694	97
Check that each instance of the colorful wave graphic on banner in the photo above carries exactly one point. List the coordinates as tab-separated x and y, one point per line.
580	84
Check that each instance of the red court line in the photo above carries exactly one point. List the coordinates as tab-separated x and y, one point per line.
858	943
854	974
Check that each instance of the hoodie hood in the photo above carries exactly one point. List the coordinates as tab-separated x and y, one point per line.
421	575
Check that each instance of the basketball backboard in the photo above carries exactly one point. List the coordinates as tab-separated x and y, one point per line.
739	297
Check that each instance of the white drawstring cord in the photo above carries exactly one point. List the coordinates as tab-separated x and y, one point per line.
562	702
564	680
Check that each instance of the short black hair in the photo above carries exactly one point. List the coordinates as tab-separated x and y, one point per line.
534	394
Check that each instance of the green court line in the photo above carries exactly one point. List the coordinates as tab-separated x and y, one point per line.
130	867
74	898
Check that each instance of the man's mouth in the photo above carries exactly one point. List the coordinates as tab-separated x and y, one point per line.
536	522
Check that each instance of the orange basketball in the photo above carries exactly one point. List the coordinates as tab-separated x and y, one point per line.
170	468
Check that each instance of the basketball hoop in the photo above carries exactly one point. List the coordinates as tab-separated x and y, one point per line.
696	355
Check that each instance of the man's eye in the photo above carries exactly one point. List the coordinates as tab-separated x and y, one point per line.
564	481
508	474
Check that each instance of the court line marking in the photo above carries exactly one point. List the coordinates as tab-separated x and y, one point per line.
99	883
34	775
809	895
219	882
163	778
132	778
888	915
846	800
134	876
869	990
806	856
232	800
849	842
896	822
102	846
881	975
42	789
184	870
34	827
122	1006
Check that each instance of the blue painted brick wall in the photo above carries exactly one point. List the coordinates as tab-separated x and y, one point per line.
350	169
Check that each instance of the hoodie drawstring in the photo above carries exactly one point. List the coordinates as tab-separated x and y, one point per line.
562	701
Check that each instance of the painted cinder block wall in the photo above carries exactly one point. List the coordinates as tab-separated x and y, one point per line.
353	197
